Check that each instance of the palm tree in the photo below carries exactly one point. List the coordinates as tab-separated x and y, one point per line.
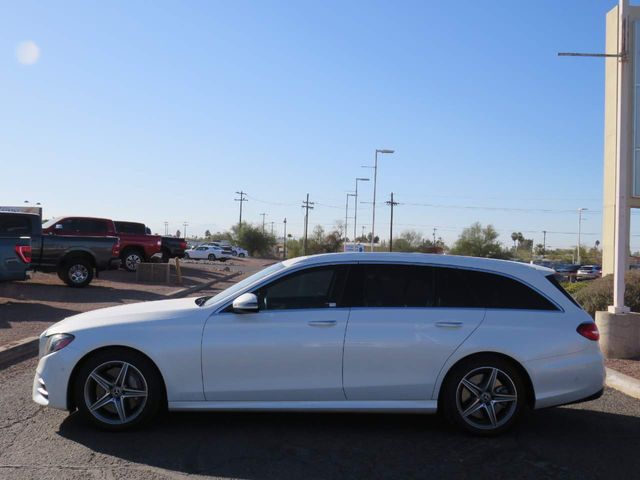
514	237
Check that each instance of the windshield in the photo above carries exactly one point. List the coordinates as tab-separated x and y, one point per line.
238	287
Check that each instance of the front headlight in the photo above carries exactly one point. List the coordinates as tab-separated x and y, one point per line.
56	342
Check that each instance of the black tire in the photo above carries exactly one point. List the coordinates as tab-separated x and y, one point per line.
241	255
211	257
186	256
76	272
456	398
131	258
141	376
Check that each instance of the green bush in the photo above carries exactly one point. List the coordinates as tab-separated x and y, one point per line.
598	294
574	287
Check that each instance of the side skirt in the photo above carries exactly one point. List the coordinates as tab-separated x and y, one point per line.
391	406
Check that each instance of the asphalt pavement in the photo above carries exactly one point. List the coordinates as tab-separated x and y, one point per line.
599	439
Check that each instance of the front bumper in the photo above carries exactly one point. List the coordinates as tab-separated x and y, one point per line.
51	381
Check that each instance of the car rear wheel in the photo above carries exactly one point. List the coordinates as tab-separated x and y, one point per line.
117	389
76	272
131	259
484	395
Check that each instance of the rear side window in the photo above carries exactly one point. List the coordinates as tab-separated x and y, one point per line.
14	225
553	279
490	290
380	285
90	227
131	228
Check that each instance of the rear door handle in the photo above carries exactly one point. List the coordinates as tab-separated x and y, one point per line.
449	324
322	323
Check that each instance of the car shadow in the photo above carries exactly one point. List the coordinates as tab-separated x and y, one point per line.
16	312
562	442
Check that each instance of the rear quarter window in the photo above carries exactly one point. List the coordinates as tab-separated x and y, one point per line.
14	225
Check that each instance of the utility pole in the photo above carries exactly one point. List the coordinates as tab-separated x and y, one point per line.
307	205
392	204
185	225
284	244
242	199
544	242
434	236
263	215
272	228
166	228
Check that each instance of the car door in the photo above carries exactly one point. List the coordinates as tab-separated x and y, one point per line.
405	322
199	252
290	349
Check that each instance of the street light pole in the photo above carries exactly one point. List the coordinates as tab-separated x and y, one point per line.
346	217
284	246
375	183
580	210
355	212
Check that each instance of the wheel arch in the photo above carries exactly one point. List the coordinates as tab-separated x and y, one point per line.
77	254
72	378
531	396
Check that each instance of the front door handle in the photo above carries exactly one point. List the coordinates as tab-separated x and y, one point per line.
449	324
322	323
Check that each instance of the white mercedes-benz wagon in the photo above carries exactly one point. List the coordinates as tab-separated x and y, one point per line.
476	339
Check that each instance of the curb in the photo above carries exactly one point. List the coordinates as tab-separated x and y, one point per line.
623	383
14	352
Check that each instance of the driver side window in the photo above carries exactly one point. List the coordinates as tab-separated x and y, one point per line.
320	287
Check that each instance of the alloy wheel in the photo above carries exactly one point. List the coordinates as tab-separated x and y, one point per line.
115	392
78	273
132	261
486	398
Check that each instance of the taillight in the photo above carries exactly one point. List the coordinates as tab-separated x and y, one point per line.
24	252
115	250
183	245
589	330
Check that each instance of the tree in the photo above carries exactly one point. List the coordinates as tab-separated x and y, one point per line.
178	233
514	237
477	241
207	234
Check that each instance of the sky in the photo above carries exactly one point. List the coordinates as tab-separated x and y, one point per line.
161	111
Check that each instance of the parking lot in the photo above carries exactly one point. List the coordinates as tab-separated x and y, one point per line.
28	308
598	439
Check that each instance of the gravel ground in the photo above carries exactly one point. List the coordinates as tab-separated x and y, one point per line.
28	308
629	367
598	439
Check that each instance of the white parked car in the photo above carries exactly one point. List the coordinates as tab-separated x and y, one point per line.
589	272
206	252
476	339
239	252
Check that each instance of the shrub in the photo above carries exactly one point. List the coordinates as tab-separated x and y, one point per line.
598	294
575	287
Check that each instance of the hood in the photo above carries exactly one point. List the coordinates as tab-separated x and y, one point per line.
125	314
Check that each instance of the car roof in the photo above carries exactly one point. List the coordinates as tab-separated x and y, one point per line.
492	264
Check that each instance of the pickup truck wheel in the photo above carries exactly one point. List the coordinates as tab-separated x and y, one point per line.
131	259
76	272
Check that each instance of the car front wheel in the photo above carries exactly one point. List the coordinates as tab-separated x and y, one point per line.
484	395
116	389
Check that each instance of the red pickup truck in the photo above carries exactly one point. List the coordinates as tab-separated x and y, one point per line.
134	247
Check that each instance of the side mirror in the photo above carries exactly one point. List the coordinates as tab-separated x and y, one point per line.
245	303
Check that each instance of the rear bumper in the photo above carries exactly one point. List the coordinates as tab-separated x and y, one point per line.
113	264
573	378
